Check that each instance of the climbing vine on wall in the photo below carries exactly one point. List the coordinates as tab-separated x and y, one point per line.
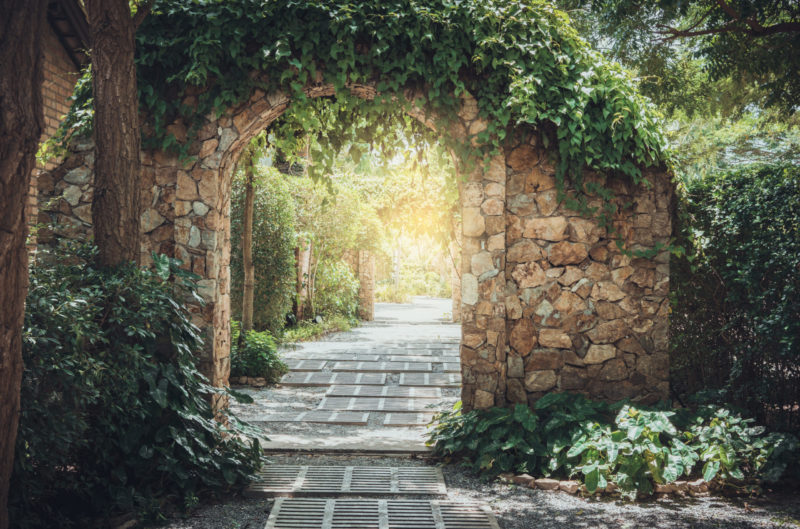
523	62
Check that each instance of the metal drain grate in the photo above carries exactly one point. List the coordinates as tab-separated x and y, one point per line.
328	379
407	419
317	416
295	480
305	365
382	367
313	513
376	404
430	379
385	391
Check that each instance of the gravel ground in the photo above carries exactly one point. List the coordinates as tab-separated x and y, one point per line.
523	508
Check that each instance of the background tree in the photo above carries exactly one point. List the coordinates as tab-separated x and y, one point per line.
115	206
21	125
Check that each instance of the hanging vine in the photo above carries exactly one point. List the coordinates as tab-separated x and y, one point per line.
521	60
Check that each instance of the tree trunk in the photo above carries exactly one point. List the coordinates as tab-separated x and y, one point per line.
21	125
247	252
116	204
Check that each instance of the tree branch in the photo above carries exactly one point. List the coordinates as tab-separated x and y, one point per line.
142	11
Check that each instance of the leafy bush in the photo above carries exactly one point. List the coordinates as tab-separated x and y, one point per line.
336	290
255	355
635	448
273	249
115	414
736	313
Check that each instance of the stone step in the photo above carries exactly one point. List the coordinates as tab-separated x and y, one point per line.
305	365
320	513
296	480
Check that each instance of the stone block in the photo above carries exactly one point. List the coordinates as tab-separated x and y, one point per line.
597	354
546	229
554	338
473	224
609	332
524	251
523	336
564	253
540	380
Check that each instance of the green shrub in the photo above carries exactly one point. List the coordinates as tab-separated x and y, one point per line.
274	241
568	435
336	290
255	355
115	415
735	324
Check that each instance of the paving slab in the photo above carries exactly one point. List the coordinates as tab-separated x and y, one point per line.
430	379
385	391
328	379
305	365
357	441
408	419
335	357
317	416
423	358
383	367
376	404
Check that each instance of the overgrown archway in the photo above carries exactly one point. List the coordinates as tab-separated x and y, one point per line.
554	146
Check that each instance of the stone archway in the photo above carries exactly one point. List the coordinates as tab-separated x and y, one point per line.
548	301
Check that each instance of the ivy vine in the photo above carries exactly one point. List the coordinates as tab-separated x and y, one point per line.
521	60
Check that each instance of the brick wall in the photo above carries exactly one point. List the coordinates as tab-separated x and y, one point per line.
60	75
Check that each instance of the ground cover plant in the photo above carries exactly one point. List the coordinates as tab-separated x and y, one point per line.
569	436
116	416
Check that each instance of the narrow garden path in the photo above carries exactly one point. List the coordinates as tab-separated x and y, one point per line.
344	455
371	389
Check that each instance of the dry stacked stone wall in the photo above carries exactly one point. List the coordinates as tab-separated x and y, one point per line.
548	302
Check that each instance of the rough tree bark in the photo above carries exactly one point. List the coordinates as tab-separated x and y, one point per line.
21	125
248	292
116	204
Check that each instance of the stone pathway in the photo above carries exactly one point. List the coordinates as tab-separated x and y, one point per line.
373	389
331	468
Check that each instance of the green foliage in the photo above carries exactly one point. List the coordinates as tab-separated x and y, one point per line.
309	331
255	355
751	43
736	303
336	290
523	62
569	435
115	414
274	241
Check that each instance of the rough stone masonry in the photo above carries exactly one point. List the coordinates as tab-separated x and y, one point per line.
549	302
